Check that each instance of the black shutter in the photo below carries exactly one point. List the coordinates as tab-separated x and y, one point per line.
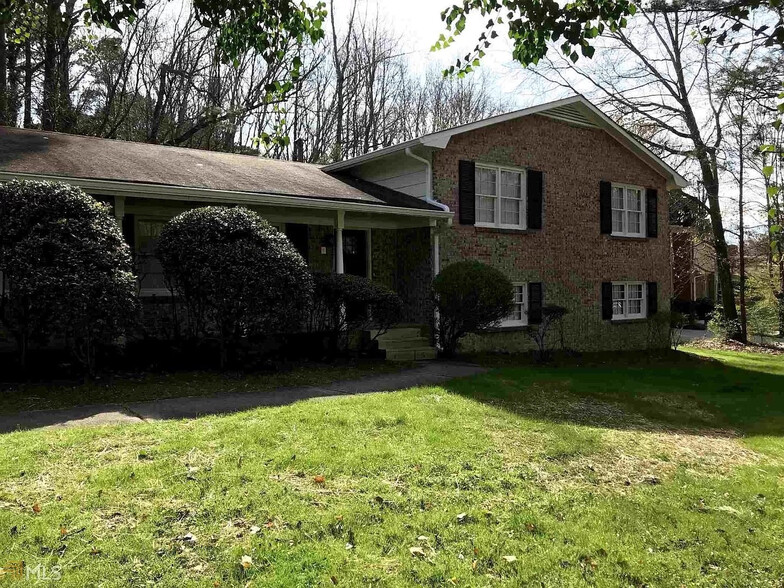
605	207
535	195
129	231
466	178
607	303
299	237
653	298
651	218
534	303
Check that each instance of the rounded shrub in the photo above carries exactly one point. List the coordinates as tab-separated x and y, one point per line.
343	303
66	268
470	296
238	276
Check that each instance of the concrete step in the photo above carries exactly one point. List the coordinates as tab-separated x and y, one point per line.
407	343
418	353
399	333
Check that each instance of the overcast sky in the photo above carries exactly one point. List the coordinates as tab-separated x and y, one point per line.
418	24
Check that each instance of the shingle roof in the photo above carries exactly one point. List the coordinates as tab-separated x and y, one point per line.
47	153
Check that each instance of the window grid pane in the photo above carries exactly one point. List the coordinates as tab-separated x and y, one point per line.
635	222
510	211
486	182
511	183
485	208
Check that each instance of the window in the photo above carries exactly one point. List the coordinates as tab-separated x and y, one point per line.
519	315
628	300
628	216
148	267
499	197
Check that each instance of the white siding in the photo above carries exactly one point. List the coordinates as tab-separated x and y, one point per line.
398	172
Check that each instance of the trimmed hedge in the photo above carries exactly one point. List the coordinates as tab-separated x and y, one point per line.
67	269
238	276
470	296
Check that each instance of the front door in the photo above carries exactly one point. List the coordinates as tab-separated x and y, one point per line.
355	253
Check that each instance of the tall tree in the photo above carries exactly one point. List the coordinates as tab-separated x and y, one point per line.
658	76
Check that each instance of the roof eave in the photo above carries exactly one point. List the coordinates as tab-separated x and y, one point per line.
185	193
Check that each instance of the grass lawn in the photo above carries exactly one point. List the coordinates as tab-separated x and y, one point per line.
127	388
660	473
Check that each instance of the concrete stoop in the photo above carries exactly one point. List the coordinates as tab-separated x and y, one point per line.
405	344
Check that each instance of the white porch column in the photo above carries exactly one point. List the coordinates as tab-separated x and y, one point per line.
119	209
339	241
436	248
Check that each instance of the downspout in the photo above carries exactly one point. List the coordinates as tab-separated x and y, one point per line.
428	181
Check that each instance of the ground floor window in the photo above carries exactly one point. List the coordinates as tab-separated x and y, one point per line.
148	266
628	300
519	314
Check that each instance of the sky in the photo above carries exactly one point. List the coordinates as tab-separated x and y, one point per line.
418	23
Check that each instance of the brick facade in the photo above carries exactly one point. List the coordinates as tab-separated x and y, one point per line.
569	255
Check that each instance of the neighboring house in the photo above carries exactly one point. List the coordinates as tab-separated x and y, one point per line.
693	266
563	201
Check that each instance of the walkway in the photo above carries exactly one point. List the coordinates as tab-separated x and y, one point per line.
193	406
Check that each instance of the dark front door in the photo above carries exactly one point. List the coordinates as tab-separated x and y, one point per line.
355	253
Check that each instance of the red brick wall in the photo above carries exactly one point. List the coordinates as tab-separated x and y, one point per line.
569	255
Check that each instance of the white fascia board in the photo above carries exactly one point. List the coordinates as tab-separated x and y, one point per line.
182	193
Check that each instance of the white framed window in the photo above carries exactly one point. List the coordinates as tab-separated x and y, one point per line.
628	212
519	314
628	300
500	197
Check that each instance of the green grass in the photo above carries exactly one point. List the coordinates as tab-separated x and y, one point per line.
659	473
128	388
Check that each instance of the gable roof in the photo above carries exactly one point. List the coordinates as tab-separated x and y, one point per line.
63	156
576	110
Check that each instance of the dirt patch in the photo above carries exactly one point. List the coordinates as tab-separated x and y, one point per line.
719	345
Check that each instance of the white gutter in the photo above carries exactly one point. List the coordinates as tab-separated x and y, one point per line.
428	181
183	193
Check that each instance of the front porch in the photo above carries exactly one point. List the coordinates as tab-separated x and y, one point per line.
399	251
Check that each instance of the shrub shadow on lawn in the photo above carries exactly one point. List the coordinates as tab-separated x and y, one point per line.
676	393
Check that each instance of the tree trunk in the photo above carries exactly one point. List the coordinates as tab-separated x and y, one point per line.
12	100
50	94
742	245
3	77
28	86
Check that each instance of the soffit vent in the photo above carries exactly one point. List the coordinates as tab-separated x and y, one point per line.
571	113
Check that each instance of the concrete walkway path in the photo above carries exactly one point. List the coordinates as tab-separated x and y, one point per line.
193	406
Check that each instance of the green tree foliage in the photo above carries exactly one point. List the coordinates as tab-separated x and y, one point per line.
238	276
534	24
66	269
470	296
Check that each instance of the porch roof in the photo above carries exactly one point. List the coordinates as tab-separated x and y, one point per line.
155	170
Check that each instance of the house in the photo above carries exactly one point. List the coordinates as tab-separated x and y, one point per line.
560	198
694	273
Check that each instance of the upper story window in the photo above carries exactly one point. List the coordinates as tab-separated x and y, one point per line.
500	197
628	300
628	214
